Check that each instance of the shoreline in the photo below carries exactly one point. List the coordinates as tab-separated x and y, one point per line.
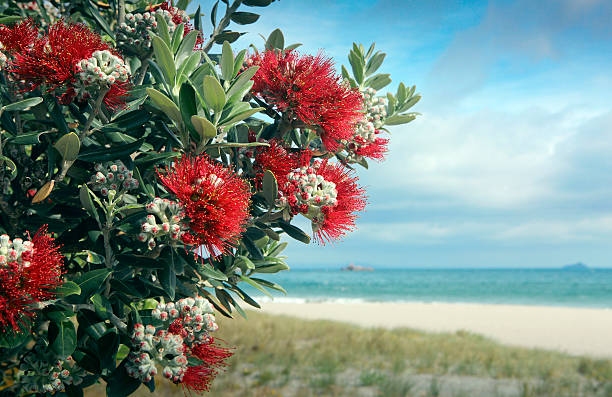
572	330
262	299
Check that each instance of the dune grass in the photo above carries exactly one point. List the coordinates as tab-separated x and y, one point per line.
283	356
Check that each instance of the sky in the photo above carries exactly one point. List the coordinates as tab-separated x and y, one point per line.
509	164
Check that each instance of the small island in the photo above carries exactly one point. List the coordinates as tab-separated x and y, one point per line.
576	267
353	268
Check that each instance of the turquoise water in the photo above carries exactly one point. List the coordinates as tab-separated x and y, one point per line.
506	286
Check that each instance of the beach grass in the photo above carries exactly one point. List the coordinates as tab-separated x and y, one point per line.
284	356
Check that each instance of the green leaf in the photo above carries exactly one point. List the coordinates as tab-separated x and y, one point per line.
188	67
187	102
269	284
167	279
257	3
177	37
357	66
294	232
256	285
68	288
240	116
213	14
274	268
111	153
91	281
119	383
102	305
237	144
275	40
87	203
401	93
10	165
375	62
244	18
149	159
22	105
410	103
214	95
270	188
400	119
378	81
162	28
68	146
205	128
164	59
99	19
227	36
166	105
227	62
65	338
239	62
242	79
30	138
210	272
185	50
5	20
370	50
252	248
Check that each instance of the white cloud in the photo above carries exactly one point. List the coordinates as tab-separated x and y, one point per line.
485	159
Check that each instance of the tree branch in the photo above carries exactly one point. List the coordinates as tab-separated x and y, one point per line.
223	23
94	112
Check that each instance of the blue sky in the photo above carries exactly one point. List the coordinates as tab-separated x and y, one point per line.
510	163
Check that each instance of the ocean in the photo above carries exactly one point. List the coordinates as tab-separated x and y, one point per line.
550	287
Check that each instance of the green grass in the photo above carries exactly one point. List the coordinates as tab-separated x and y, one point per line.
282	356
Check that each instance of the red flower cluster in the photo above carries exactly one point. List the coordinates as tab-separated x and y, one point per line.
276	159
307	88
29	272
52	61
326	193
376	150
339	219
19	37
215	200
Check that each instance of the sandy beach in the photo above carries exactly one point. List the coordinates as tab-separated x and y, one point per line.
579	331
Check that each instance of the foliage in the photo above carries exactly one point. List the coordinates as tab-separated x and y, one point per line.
139	152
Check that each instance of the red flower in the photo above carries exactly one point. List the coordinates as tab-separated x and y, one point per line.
19	37
328	195
54	60
198	378
307	88
29	272
276	159
215	200
339	219
212	354
376	150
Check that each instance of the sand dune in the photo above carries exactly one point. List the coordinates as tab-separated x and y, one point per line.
571	330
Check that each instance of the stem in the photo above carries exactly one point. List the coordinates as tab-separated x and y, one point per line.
143	71
94	112
222	24
108	250
284	127
269	110
121	14
116	321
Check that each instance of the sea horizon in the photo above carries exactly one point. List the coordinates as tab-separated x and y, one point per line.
511	286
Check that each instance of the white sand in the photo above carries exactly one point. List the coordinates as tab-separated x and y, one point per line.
572	330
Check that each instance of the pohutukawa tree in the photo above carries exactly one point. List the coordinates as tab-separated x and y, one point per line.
145	178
